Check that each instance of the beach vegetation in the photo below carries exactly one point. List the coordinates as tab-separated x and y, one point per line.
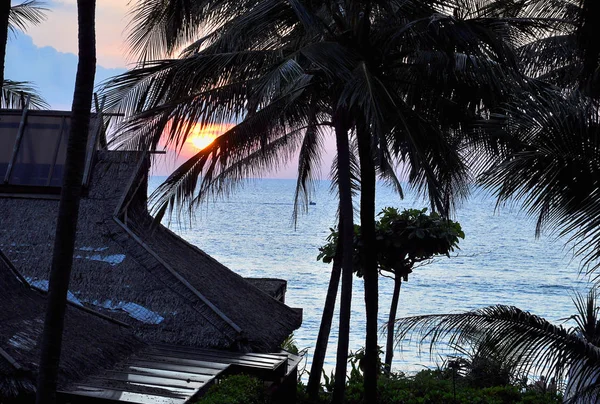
404	241
525	343
236	389
15	17
404	87
429	386
397	83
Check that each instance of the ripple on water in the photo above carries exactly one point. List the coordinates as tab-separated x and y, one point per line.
500	260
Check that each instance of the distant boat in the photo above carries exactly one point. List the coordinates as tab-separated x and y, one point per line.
312	203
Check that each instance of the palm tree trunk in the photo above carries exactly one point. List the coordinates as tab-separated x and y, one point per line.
314	380
369	259
4	15
68	210
346	239
389	346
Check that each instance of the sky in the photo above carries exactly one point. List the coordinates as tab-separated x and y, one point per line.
47	56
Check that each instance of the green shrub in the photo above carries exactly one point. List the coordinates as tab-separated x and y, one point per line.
436	387
237	389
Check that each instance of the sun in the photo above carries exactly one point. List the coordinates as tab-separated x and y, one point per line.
202	136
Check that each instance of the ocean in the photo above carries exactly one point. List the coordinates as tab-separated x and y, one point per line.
499	262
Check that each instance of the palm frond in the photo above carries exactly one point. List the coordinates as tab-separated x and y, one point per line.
30	12
308	165
554	171
15	93
532	344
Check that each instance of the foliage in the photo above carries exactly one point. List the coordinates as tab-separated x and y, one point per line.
417	77
30	12
14	94
438	387
528	343
553	166
236	389
289	344
402	240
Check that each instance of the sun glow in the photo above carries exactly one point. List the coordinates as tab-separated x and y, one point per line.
202	136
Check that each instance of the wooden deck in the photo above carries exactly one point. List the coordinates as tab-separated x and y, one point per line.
172	374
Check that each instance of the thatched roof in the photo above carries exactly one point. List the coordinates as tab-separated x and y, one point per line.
275	288
90	343
167	289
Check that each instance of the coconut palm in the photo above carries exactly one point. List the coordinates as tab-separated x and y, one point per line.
552	166
401	78
15	93
569	55
530	343
68	208
30	12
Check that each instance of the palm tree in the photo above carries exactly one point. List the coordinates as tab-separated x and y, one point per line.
569	55
17	17
552	165
530	343
14	94
399	79
68	210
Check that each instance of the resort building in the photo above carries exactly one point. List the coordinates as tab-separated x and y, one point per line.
127	268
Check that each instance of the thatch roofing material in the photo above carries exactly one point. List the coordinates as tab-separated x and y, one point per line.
90	343
273	287
168	290
264	321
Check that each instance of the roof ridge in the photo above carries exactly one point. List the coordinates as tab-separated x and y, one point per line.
10	359
4	259
138	240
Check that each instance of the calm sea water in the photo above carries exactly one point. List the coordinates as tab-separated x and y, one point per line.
499	262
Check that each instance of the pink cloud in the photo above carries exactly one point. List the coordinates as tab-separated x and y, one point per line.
60	30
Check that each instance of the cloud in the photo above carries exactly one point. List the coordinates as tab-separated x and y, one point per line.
52	72
60	30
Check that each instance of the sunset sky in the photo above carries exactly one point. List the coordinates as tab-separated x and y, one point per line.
46	56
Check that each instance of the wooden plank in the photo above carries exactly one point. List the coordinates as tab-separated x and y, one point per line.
137	387
122	396
216	356
196	367
157	381
56	149
212	359
184	361
267	362
17	144
180	348
172	374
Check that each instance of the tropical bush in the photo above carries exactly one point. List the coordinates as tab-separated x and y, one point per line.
525	343
439	386
236	389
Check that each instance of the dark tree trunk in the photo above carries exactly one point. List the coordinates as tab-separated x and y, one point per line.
346	239
4	15
369	259
389	346
68	210
314	380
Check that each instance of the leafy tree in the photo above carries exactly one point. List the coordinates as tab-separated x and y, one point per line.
403	240
68	208
531	344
